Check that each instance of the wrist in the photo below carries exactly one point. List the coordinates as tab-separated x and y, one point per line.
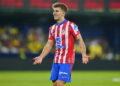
40	57
83	54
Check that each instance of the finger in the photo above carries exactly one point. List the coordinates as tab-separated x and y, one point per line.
88	56
83	62
87	61
35	58
34	63
39	62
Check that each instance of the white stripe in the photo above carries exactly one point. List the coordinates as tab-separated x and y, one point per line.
66	42
49	34
51	31
53	27
56	48
61	49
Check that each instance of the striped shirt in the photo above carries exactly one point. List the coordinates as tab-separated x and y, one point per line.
64	36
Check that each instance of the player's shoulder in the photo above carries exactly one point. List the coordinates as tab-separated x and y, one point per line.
72	23
51	27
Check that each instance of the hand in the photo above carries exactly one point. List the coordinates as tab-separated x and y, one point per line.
85	59
37	60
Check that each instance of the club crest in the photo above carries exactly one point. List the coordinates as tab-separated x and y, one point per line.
63	32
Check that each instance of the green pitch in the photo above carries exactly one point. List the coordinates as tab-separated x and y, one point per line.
41	78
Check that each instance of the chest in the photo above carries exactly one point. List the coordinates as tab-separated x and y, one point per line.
61	32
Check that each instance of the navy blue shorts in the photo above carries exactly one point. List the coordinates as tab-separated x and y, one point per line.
61	72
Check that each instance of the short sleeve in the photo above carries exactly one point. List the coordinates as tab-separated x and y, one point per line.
74	30
50	35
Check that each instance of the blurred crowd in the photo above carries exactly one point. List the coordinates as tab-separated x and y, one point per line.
15	40
98	48
32	40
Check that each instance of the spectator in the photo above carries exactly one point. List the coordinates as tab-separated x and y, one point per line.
95	50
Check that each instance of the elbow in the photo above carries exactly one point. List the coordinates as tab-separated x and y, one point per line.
49	46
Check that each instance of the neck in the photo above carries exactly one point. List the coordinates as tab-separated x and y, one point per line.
60	20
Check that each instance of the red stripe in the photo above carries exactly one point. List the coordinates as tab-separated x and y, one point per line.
72	57
50	28
63	42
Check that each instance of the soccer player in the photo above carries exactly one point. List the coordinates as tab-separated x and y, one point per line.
62	34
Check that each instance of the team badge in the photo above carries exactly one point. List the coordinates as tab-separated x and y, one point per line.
76	28
63	32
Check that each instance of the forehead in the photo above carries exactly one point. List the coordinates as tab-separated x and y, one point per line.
57	8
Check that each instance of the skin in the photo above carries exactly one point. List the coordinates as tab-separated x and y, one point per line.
59	16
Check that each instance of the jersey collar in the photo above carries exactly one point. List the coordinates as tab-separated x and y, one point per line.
61	23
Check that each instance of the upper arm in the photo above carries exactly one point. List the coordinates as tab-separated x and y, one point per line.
50	43
78	37
74	30
50	37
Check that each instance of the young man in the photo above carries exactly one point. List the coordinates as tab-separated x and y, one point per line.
63	34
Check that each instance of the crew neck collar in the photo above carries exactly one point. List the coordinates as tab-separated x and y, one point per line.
61	23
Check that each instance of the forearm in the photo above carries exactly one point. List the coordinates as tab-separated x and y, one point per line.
83	49
45	51
82	46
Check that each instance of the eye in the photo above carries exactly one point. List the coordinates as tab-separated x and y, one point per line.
57	10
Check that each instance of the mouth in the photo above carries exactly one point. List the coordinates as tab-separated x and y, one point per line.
55	15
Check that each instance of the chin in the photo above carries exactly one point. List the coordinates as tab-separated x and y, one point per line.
56	19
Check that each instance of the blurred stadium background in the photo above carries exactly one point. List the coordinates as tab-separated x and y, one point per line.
24	26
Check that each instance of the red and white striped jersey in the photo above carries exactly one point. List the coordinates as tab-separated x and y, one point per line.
64	36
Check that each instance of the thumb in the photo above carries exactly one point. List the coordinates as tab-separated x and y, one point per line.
35	58
88	56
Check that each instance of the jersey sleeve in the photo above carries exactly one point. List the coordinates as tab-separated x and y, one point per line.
74	30
50	35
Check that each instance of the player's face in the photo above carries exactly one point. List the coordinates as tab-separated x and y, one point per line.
58	13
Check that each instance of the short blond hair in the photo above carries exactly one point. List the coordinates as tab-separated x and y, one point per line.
61	5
